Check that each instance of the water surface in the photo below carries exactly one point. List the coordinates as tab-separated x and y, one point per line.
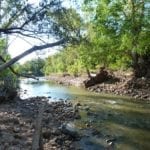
124	120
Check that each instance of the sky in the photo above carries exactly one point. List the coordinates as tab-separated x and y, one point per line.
18	45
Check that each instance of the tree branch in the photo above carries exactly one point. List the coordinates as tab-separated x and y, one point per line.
29	51
18	74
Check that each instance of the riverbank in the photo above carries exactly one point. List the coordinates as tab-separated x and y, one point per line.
68	80
18	123
125	85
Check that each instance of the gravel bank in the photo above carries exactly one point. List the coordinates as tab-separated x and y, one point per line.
17	124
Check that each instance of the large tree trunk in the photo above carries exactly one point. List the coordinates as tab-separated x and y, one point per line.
141	65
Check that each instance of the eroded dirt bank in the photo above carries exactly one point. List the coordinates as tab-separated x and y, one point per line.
18	124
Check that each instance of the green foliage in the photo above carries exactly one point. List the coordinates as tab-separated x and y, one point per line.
118	28
68	23
111	31
6	56
34	67
8	80
66	61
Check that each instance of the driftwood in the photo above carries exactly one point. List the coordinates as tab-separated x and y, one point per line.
37	137
99	78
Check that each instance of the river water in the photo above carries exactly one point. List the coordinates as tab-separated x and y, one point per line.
120	120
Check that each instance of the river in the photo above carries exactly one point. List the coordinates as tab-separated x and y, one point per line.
120	120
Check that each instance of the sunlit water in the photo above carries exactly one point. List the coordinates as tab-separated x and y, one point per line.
125	120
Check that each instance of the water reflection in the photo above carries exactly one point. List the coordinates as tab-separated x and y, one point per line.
42	88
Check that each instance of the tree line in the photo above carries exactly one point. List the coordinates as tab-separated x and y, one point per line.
113	34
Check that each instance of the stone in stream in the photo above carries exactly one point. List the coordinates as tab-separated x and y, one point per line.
87	108
77	116
69	130
16	129
78	104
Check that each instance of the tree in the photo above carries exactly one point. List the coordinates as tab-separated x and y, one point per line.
47	18
33	67
66	61
121	32
8	81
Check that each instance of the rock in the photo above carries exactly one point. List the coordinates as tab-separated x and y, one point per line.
87	108
87	124
110	143
78	104
16	129
110	140
18	115
53	142
46	134
69	130
56	131
17	136
15	120
77	116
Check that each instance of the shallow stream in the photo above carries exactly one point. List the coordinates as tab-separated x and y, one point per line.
107	121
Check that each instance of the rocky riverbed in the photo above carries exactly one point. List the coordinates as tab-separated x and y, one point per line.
68	80
138	88
125	85
18	124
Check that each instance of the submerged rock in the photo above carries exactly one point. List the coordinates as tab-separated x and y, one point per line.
69	130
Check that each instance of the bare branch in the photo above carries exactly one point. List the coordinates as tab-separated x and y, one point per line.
29	51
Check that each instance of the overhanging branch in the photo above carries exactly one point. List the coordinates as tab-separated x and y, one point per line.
18	74
29	51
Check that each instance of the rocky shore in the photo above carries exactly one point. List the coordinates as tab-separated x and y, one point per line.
18	124
125	85
132	87
67	80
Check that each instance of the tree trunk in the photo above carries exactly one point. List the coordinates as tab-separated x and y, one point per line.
141	65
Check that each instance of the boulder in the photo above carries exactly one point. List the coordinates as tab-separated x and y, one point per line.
69	130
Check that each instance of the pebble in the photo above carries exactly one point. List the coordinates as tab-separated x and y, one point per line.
16	129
